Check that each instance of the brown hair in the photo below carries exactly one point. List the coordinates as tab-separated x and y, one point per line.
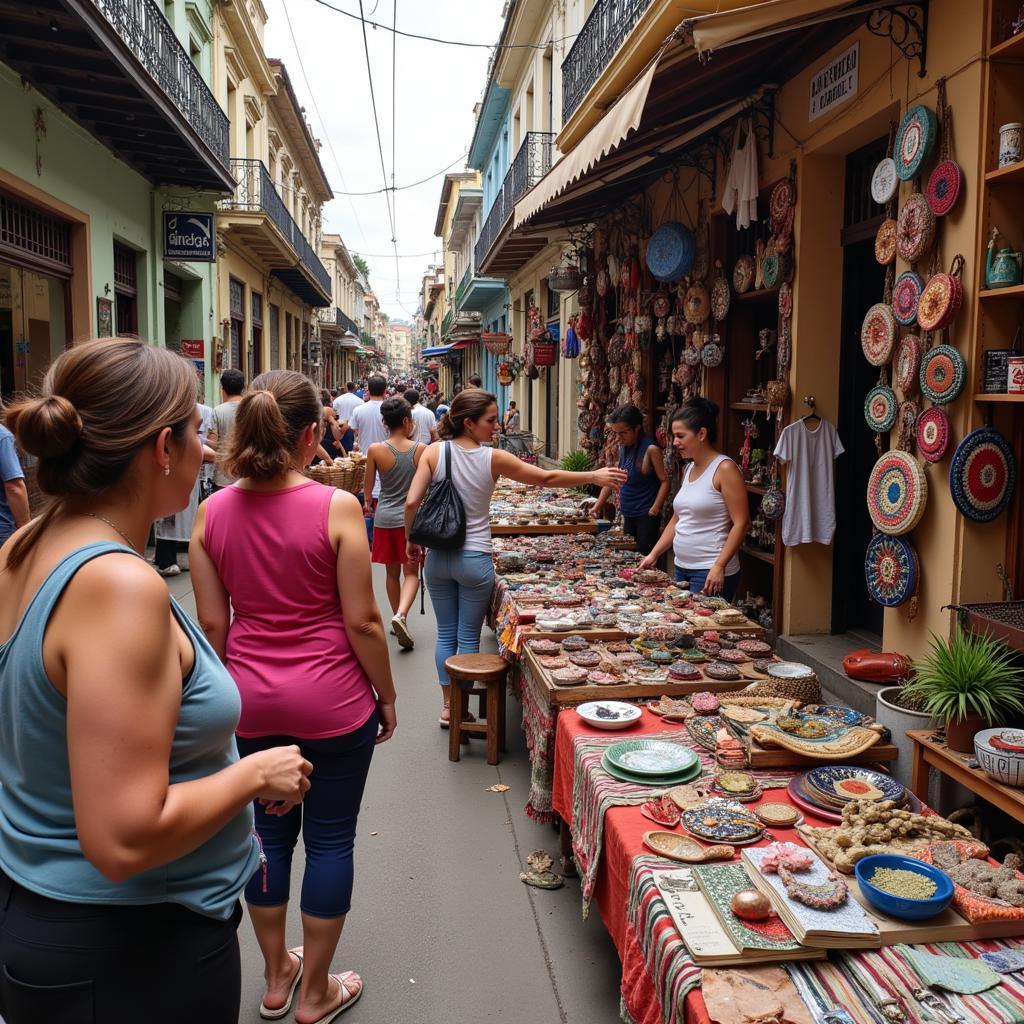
99	403
470	404
276	409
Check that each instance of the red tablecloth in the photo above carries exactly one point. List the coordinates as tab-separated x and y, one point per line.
623	840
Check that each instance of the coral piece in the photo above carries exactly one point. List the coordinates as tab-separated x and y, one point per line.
704	703
787	855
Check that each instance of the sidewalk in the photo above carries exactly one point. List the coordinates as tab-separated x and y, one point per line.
441	929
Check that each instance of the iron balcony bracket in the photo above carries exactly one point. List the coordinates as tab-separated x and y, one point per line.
906	26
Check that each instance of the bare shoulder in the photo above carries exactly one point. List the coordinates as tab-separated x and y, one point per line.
728	472
118	581
344	504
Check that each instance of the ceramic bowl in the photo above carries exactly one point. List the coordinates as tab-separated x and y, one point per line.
1005	766
624	714
901	906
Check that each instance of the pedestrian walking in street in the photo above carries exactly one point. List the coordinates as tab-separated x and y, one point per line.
511	423
125	811
460	582
330	447
310	659
14	510
711	511
395	460
232	384
424	421
643	494
369	429
344	406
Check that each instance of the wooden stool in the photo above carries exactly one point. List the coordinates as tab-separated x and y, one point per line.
490	671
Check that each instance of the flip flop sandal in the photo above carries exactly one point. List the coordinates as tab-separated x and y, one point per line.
282	1011
347	1002
541	879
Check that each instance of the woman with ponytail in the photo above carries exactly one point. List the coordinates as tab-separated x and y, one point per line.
310	660
125	812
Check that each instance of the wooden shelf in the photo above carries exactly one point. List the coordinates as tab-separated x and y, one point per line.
1013	292
749	406
762	556
754	488
761	295
1008	49
997	397
1011	174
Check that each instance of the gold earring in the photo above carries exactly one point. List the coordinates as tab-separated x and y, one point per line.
167	469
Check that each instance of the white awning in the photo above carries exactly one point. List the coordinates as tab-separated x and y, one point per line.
712	32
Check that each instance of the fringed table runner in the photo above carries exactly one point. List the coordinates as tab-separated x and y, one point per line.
539	721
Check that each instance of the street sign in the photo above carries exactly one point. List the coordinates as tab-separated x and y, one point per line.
189	237
193	348
835	83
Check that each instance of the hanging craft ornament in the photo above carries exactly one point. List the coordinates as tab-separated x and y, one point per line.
932	433
943	374
743	274
880	409
906	418
696	304
915	229
914	141
773	501
897	493
721	296
885	241
711	355
982	475
661	304
884	181
906	294
671	252
946	181
785	300
941	298
891	570
908	364
691	355
781	202
878	334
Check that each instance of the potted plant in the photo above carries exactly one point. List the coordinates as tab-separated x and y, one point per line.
970	681
577	461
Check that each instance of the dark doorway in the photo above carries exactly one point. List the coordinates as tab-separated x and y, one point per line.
863	286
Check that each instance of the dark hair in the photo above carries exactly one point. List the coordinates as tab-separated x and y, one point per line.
99	403
628	414
350	386
278	407
466	405
394	411
335	392
412	396
377	386
696	413
232	382
511	405
474	380
325	397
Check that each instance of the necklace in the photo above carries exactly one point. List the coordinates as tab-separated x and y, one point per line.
115	528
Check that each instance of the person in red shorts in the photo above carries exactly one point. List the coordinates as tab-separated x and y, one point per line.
396	460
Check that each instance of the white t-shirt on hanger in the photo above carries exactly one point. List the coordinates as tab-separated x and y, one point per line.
810	516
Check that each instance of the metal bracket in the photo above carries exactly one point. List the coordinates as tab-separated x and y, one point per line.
906	25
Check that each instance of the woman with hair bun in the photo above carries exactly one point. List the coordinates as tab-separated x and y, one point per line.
310	659
125	811
710	512
460	582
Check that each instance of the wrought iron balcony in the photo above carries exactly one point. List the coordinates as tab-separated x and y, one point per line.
255	193
530	164
334	317
599	40
448	323
467	277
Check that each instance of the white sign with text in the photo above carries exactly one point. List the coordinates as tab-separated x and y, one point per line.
835	83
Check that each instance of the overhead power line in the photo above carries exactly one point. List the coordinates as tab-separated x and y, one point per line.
412	184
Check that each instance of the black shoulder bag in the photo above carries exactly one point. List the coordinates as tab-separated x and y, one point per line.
440	521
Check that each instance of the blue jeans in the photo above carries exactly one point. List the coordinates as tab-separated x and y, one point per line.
327	818
698	577
460	585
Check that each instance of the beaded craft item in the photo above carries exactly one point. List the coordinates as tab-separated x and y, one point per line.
982	475
897	493
891	570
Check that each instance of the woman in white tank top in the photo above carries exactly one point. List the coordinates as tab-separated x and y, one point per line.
711	513
460	582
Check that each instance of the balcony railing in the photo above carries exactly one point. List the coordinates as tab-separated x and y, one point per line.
599	40
333	315
255	193
448	323
531	163
147	33
463	285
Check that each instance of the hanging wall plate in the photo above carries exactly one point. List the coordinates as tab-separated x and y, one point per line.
915	141
982	475
885	181
743	274
943	374
944	186
915	229
906	294
885	241
880	409
908	364
891	570
940	301
897	493
780	203
878	334
932	431
671	252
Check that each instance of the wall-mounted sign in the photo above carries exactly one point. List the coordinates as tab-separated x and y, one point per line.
104	318
193	348
189	237
835	83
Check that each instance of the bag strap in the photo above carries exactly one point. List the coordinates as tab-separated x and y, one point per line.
448	460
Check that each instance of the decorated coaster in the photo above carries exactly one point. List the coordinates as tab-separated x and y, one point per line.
880	409
915	141
943	374
782	199
778	815
897	493
743	274
982	475
720	296
908	364
884	181
891	570
933	433
915	229
944	185
906	294
885	241
878	334
941	298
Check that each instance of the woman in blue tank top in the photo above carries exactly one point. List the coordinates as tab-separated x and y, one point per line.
125	812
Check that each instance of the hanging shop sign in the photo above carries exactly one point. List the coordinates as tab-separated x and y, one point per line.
189	237
835	83
193	348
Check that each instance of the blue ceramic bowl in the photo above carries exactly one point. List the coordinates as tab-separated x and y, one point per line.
900	906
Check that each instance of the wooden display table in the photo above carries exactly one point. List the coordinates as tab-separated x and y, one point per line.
933	753
535	529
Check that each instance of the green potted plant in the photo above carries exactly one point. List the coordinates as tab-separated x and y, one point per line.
577	461
970	681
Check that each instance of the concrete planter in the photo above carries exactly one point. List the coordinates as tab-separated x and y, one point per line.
900	722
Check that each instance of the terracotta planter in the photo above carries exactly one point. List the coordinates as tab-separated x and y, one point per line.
960	733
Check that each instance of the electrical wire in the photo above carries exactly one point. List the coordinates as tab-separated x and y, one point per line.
394	138
388	255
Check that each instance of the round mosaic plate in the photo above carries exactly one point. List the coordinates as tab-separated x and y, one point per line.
671	251
781	201
908	364
940	301
906	294
982	475
914	141
891	570
885	241
785	300
897	493
651	757
884	181
743	274
915	229
878	334
720	298
721	823
943	374
834	781
932	433
880	409
944	185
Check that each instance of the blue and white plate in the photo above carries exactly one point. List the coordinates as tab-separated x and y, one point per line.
830	780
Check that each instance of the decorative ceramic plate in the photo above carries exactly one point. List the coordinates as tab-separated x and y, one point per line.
914	141
891	571
733	657
609	714
586	659
684	849
850	782
722	671
932	433
885	241
908	364
808	802
940	301
839	712
906	294
755	648
785	300
982	475
721	823
671	251
721	296
771	270
743	274
702	730
599	678
696	304
651	757
570	676
897	493
880	409
544	646
778	815
790	670
884	181
683	670
916	229
676	779
943	374
878	334
944	185
550	661
780	202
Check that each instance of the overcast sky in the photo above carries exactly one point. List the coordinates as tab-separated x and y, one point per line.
437	86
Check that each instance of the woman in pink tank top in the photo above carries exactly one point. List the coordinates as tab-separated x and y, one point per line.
310	660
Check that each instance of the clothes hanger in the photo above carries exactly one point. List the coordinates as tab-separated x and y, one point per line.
812	415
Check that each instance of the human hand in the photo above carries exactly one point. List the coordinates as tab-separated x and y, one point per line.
367	510
283	774
278	808
654	512
414	552
647	562
597	510
388	722
607	477
715	580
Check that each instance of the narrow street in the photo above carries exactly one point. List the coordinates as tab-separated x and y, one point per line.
441	927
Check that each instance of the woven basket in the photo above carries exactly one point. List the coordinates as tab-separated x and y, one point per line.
807	689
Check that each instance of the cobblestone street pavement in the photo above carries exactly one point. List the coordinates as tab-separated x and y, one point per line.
441	929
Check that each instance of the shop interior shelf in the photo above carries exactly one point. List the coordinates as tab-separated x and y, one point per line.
996	397
1008	49
1013	292
754	488
1011	174
749	406
761	295
763	556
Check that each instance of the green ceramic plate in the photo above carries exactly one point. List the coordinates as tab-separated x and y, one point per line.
651	757
677	779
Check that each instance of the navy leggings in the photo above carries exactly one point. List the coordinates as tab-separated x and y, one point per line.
327	818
